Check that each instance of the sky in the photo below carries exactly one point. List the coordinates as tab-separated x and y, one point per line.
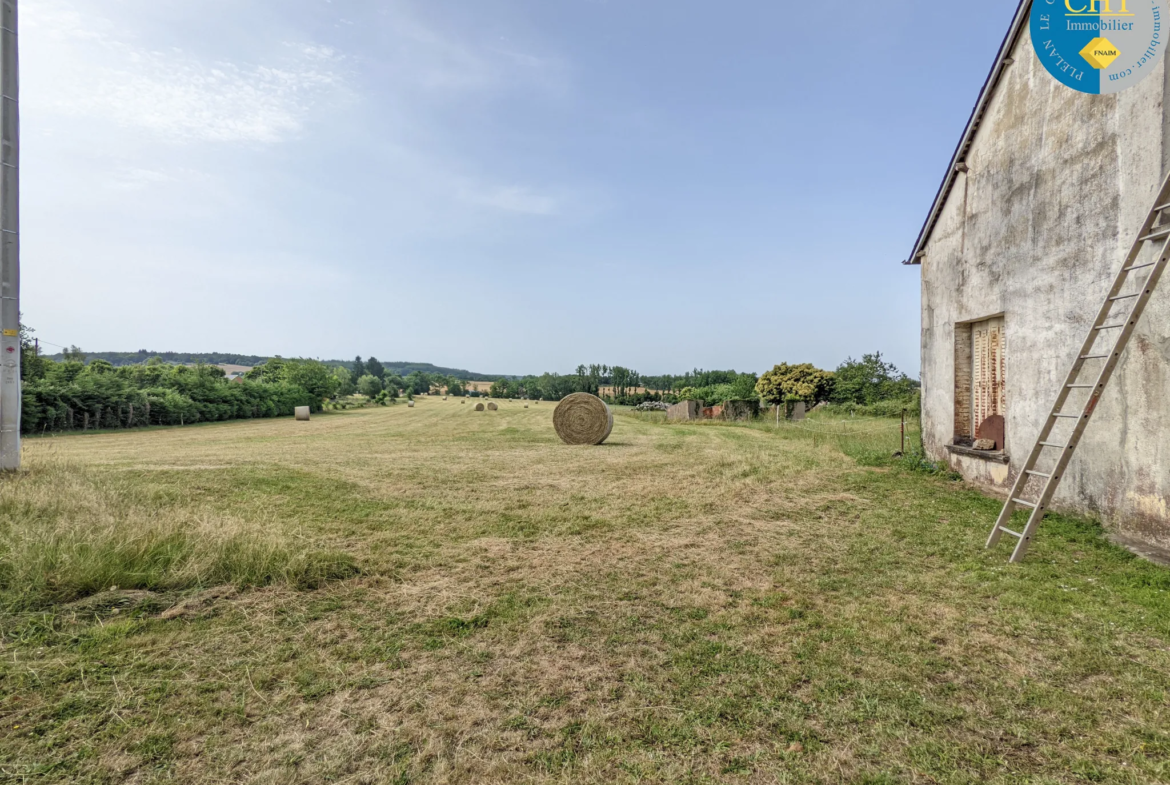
505	186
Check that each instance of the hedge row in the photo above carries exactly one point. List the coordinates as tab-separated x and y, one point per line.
106	401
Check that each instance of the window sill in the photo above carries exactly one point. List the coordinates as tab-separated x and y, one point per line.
986	455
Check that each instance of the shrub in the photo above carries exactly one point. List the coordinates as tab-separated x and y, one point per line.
869	380
795	382
369	386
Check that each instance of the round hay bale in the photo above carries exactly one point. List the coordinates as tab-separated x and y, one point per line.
493	407
462	402
444	397
410	404
525	406
302	413
479	407
582	418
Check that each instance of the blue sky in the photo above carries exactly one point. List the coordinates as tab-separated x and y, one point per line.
509	186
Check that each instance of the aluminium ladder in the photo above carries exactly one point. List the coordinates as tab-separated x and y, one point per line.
1155	231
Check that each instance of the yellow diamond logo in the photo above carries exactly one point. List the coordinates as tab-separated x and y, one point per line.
1100	53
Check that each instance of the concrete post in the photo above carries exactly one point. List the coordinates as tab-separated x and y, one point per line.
9	240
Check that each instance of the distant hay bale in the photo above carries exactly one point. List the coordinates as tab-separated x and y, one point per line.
525	406
479	407
463	401
582	418
410	404
493	407
302	413
444	397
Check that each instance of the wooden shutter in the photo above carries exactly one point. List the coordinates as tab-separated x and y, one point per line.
989	360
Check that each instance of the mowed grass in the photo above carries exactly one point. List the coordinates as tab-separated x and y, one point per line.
434	595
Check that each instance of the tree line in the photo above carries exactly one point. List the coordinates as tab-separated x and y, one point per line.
865	382
249	360
76	395
139	357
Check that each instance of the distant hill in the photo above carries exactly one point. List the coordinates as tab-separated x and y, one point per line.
403	368
177	358
221	358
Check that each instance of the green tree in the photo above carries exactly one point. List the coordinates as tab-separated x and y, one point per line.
787	382
345	385
369	385
271	371
869	380
417	383
314	377
359	368
375	369
744	387
73	354
311	375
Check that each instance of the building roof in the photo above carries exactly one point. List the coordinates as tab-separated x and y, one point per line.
1002	61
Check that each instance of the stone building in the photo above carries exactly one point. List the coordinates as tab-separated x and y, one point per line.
1038	208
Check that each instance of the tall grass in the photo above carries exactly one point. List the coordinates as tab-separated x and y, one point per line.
869	439
68	531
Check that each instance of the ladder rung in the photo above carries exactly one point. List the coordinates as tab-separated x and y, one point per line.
1037	474
1012	533
1138	267
1109	326
1025	503
1161	231
1124	297
1068	416
1081	386
1053	444
1093	356
1162	207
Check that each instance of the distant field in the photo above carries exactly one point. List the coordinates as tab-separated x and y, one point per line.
435	595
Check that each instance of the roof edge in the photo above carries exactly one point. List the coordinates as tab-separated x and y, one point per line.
1002	60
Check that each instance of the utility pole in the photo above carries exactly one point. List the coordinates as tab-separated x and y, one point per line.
9	239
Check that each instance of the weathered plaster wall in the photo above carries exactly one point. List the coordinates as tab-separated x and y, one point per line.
1059	183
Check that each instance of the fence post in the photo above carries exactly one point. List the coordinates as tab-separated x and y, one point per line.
903	431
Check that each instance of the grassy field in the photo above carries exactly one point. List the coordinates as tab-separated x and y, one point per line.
432	595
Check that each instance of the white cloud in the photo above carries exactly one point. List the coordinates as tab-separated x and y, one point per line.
81	70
